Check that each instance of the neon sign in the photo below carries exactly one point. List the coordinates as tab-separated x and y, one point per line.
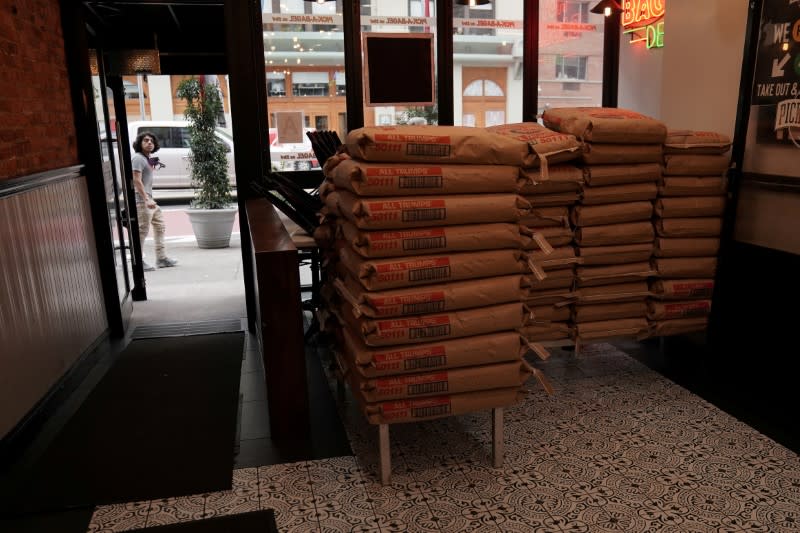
644	21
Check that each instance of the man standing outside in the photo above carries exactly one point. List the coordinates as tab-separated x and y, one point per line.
147	211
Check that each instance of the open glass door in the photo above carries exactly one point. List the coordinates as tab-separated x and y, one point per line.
115	193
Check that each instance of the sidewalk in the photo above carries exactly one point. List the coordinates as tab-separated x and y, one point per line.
207	284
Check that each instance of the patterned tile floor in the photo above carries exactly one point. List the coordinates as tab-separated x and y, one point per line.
617	448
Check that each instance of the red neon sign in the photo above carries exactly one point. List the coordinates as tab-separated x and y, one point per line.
644	21
642	13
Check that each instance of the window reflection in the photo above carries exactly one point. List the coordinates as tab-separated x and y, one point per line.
304	58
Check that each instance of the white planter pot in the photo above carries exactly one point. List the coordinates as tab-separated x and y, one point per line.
212	227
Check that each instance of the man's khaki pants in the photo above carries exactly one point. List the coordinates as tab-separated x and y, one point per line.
146	218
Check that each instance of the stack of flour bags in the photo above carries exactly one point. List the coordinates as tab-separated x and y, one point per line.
552	189
614	233
430	269
689	209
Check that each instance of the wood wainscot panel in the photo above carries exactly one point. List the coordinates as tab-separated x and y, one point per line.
51	303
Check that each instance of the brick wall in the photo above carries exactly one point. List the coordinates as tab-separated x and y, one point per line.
37	131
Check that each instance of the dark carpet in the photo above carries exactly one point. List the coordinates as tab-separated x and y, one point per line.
161	423
255	522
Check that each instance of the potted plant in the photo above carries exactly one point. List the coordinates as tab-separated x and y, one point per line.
211	211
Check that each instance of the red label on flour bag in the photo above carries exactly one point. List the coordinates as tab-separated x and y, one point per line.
693	289
411	240
426	302
413	385
415	359
415	328
420	270
416	145
408	178
686	309
421	408
408	211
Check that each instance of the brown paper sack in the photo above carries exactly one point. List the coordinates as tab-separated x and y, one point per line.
630	233
598	215
539	298
563	257
689	227
469	351
325	235
608	274
453	381
680	326
696	267
602	175
665	289
543	217
632	192
549	145
563	278
334	160
438	298
560	178
615	311
614	255
695	165
619	292
331	204
379	274
696	142
551	188
471	237
621	154
699	206
606	125
555	237
547	331
550	313
439	326
415	410
692	186
438	144
606	329
659	310
551	200
700	247
397	179
421	211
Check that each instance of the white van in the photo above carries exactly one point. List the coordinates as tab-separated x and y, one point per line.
173	139
292	156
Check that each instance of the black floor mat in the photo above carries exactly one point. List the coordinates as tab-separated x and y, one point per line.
257	521
179	329
72	521
161	423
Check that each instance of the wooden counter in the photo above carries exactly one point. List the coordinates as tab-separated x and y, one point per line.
280	321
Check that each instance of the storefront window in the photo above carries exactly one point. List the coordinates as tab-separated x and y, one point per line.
572	11
487	63
276	83
304	60
570	55
571	67
310	84
304	63
393	16
341	85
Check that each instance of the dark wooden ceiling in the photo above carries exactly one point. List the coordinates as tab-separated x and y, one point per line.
189	34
